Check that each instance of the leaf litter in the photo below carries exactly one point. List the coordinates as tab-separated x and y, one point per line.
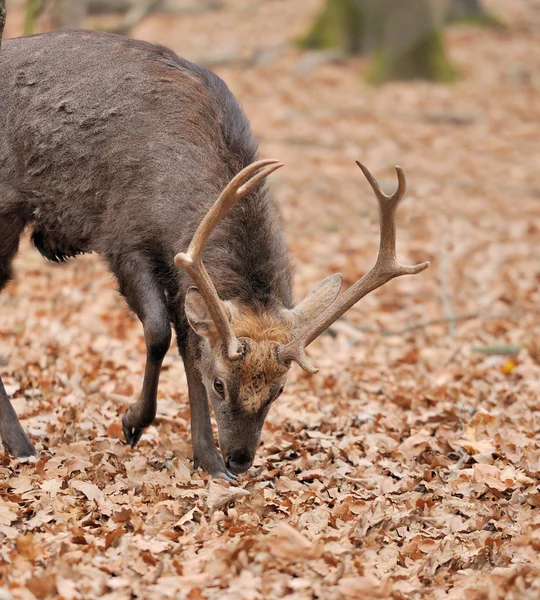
409	466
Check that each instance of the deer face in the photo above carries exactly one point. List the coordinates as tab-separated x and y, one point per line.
240	390
241	393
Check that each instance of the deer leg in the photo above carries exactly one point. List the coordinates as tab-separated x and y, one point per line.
14	440
146	298
205	453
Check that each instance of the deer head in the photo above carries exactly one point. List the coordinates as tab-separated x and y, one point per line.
245	356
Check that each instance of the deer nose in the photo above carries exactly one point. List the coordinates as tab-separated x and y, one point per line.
239	462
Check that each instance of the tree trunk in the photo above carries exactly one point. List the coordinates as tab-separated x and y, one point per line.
174	6
469	11
2	19
106	6
70	14
410	42
33	9
342	24
405	36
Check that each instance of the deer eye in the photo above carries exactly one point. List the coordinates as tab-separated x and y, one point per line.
219	387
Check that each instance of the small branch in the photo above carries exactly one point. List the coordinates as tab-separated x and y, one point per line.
361	480
499	349
463	458
350	331
420	325
453	319
173	423
452	356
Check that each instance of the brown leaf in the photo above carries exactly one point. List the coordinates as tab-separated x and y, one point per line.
90	490
286	542
219	497
362	587
7	516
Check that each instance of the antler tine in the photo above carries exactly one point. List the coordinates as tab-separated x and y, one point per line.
191	260
381	196
385	269
236	189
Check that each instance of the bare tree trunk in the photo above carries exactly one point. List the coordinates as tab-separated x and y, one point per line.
470	11
342	24
405	36
33	9
122	6
105	6
136	13
2	18
70	14
411	43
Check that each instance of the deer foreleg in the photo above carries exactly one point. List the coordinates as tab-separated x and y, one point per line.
147	299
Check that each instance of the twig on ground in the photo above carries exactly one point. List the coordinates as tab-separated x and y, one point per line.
349	329
355	333
174	423
463	458
453	319
499	349
361	480
452	356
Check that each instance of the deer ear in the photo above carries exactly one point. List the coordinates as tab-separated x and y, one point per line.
199	317
318	300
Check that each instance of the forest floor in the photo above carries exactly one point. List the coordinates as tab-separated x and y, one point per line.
408	467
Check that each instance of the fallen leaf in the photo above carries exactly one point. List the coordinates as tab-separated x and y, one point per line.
90	490
219	497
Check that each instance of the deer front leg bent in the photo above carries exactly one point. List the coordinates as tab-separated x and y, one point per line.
147	299
205	453
141	414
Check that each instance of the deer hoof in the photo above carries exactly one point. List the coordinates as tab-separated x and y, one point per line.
132	435
213	463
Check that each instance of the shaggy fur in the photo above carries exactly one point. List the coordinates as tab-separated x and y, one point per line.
262	327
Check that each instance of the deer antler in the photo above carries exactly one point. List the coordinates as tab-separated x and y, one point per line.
191	261
385	269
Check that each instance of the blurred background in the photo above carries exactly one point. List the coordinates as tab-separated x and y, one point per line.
449	90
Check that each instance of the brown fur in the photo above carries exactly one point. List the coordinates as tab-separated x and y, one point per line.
262	327
257	376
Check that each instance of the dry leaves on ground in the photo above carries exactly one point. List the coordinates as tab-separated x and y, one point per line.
409	466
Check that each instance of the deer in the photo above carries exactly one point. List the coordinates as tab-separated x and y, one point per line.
121	148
